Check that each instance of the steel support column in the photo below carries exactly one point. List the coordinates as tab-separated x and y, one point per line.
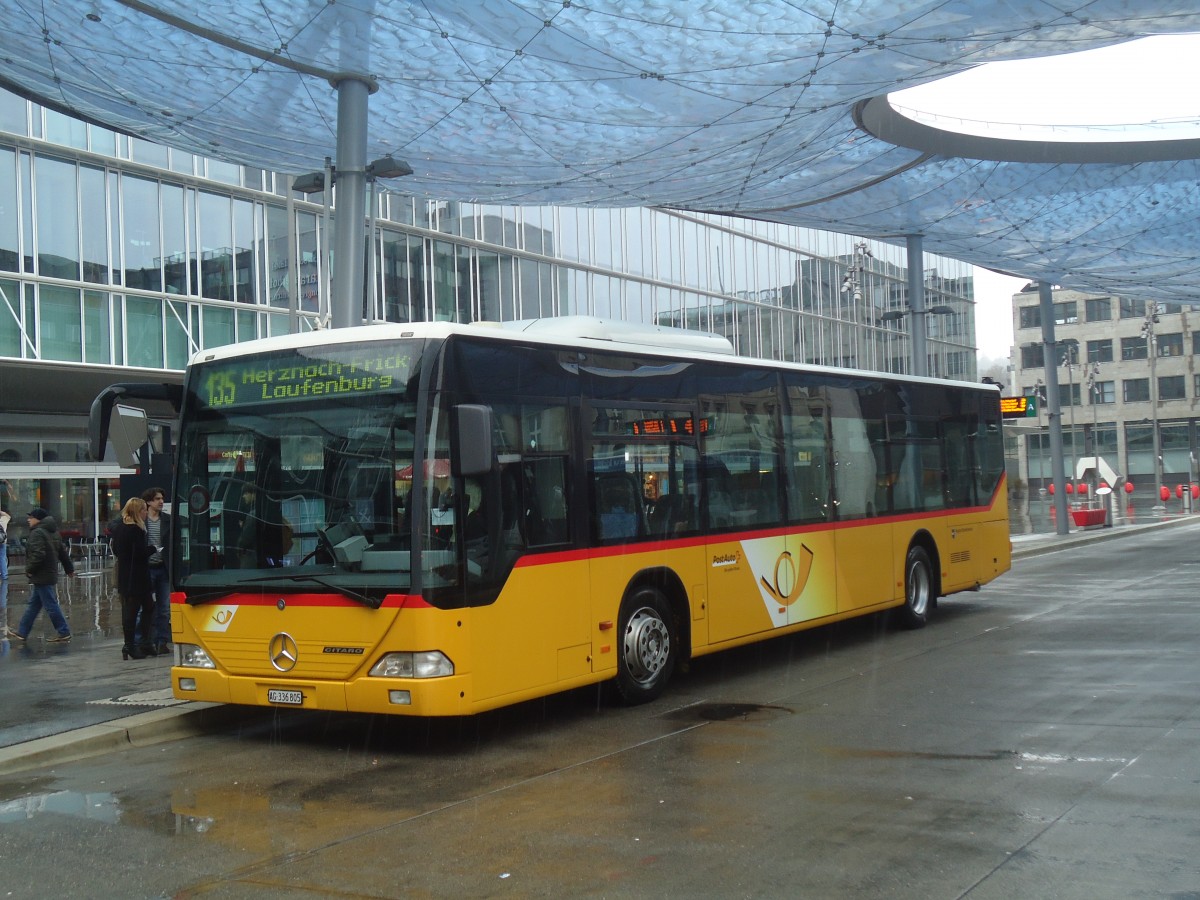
1054	411
916	304
346	303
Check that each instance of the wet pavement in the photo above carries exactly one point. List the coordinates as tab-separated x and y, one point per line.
67	701
63	700
1040	739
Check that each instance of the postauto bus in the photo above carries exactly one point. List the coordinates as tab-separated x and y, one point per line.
436	519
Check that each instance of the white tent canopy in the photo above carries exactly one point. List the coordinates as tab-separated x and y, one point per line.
747	108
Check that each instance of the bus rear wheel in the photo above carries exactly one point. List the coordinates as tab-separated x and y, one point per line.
649	646
918	588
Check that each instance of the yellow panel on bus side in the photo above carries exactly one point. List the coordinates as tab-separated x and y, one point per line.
868	568
542	610
612	573
762	583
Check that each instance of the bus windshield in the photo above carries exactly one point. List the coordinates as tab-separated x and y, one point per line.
294	471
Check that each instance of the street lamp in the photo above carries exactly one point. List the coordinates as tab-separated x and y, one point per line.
895	315
312	182
1152	350
1094	391
1070	350
1039	391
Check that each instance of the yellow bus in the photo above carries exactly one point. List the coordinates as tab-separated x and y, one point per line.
436	519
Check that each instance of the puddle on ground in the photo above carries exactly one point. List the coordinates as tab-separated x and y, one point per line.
727	712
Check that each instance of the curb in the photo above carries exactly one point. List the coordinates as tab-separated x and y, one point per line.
157	726
1057	542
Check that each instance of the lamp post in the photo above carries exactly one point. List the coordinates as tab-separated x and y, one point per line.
311	183
1094	392
1152	350
384	167
1039	391
1069	348
895	315
852	282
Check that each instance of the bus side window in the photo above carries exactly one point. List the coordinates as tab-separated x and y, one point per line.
718	495
546	500
618	506
806	462
671	515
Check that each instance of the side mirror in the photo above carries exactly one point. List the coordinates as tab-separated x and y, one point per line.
472	451
106	412
128	432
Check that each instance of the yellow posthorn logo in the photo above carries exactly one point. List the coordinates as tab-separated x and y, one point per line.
791	575
219	618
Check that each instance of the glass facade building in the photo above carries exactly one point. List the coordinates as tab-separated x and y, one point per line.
119	257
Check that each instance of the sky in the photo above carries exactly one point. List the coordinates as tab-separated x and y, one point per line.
993	312
1142	89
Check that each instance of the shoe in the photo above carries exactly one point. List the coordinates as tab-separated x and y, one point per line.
59	639
148	650
163	649
132	653
16	636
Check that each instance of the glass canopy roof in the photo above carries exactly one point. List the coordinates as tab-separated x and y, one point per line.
756	108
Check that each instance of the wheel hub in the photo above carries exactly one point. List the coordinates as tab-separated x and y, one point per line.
647	645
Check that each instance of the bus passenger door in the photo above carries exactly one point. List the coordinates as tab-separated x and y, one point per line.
863	544
642	488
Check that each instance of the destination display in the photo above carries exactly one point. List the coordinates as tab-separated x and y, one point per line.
1018	407
676	425
354	370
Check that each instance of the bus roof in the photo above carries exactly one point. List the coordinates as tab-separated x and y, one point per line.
584	332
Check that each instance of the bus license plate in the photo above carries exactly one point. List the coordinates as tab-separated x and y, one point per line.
292	698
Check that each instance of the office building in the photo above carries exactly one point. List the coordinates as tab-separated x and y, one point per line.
1123	364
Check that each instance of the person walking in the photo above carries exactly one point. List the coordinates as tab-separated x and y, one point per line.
132	551
44	551
5	518
158	532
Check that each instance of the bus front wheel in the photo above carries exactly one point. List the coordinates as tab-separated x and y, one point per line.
649	646
918	588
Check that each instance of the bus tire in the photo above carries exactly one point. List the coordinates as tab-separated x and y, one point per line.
649	646
918	589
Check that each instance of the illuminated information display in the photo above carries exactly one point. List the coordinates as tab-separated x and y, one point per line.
354	370
680	425
1018	407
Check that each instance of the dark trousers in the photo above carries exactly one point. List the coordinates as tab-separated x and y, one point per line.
131	607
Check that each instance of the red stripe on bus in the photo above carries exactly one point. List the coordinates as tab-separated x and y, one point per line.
391	601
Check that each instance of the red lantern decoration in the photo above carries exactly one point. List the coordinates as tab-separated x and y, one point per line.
1070	488
1179	492
1196	491
1081	488
1050	488
1104	484
1164	493
1129	487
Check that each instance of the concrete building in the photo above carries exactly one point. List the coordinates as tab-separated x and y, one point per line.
1123	365
120	258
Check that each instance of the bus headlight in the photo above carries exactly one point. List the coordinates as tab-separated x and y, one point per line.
421	664
193	656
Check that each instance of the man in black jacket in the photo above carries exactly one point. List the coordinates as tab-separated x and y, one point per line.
44	551
158	533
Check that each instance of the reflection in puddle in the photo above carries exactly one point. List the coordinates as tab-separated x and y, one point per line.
98	807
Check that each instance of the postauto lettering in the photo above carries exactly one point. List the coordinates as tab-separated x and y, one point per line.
259	380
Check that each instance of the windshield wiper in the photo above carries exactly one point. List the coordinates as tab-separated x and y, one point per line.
364	599
203	594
